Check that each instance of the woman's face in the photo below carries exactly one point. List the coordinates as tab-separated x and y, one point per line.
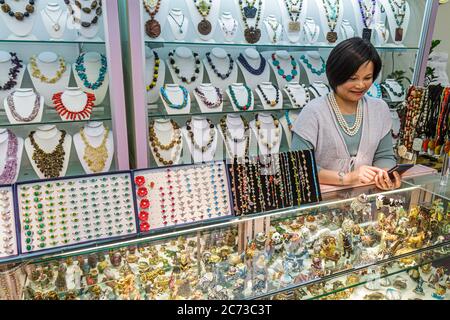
358	84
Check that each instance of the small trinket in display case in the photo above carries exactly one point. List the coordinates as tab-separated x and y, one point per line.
400	283
439	291
384	281
361	208
375	296
393	294
276	241
437	275
419	287
260	241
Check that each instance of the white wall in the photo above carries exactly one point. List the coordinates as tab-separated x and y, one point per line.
442	30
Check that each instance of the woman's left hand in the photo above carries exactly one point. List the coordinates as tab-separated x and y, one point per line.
383	181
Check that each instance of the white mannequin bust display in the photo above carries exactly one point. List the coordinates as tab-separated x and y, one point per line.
212	17
185	61
316	63
165	133
292	117
54	18
202	133
311	31
47	138
4	138
93	64
211	96
74	100
253	58
49	64
6	65
153	94
228	25
269	134
236	128
300	94
371	16
90	33
94	133
324	21
390	87
274	29
271	93
25	104
178	22
392	21
241	94
285	60
319	89
20	29
347	30
381	34
220	59
298	10
176	97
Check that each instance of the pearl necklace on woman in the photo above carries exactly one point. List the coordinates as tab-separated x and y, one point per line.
353	130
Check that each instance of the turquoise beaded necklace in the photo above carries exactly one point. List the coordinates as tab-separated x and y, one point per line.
81	71
282	72
170	103
236	103
310	66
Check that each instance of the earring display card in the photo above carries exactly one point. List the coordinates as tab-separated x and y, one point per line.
66	212
272	182
8	237
179	195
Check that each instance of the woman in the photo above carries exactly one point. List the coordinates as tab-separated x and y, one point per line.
349	132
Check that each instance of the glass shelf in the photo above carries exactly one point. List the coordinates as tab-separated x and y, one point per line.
266	46
18	41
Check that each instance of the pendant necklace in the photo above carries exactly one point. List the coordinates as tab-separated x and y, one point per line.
170	104
10	169
270	103
20	16
262	139
332	12
228	32
312	35
180	25
248	105
13	72
16	115
212	134
257	72
204	8
36	72
294	99
157	62
152	26
294	8
282	72
95	157
399	11
367	15
229	137
177	71
208	103
274	25
50	164
311	68
56	26
214	68
68	114
80	68
158	147
252	34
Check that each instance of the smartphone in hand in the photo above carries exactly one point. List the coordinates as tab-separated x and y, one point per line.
400	168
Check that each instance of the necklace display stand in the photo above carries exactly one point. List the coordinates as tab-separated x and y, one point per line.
254	60
176	96
347	30
19	30
311	31
268	130
381	36
359	17
324	21
275	33
271	92
4	139
392	21
212	17
164	131
94	132
221	62
55	20
210	93
185	61
316	61
300	92
293	36
396	87
85	34
319	87
47	137
178	23
5	67
285	62
153	94
24	104
229	26
201	130
49	64
241	96
74	100
236	127
292	115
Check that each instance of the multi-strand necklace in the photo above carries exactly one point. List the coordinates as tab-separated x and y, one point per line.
212	135
282	72
353	130
158	147
398	8
177	71
204	8
13	72
29	9
172	105
252	34
16	115
270	103
257	72
222	76
294	8
95	157
248	104
230	138
152	26
80	68
264	140
210	104
367	15
36	72
332	11
52	163
9	172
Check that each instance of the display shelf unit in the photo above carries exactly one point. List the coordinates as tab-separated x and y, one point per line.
44	36
411	54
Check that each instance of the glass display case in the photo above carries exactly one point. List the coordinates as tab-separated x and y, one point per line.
62	110
246	68
317	251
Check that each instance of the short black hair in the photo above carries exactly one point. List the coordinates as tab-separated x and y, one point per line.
347	57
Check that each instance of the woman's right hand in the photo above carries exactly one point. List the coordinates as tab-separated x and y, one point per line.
364	175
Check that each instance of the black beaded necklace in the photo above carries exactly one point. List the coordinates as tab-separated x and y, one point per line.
249	68
271	103
214	68
177	70
400	94
29	9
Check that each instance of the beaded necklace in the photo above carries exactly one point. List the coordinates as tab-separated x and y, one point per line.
379	92
332	11
294	99
313	166
257	72
155	72
66	113
288	119
8	174
36	72
208	103
204	8
170	103
229	137
294	8
228	32
400	94
81	71
96	4
212	134
310	66
252	34
16	115
262	139
214	68
13	72
282	72
177	71
270	103
367	15
95	157
52	163
157	146
399	11
29	9
353	130
248	105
